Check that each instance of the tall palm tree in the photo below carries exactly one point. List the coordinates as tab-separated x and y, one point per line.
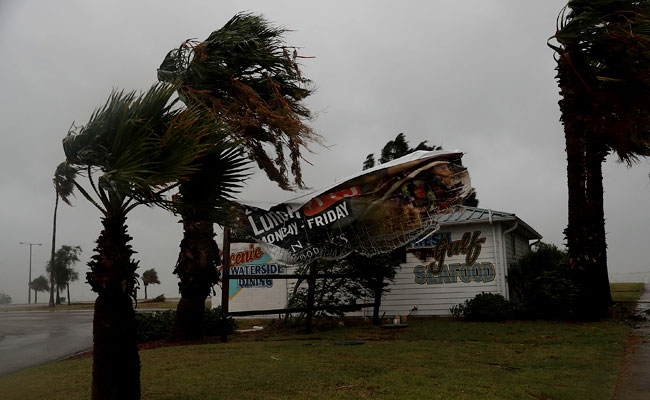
63	188
149	277
247	78
604	78
132	151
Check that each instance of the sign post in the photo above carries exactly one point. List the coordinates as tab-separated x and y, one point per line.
225	282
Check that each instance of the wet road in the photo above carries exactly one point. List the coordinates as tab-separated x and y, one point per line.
35	337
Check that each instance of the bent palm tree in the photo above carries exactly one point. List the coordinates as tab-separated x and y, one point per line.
39	285
247	78
132	151
63	188
603	74
149	277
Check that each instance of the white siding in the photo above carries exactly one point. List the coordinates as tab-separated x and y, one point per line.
430	298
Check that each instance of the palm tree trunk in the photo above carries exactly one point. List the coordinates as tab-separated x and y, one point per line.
599	279
35	297
145	291
197	271
573	106
116	363
67	285
56	207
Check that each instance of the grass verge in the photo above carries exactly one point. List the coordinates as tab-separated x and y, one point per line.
142	305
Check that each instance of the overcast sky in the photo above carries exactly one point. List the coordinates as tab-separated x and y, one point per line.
474	75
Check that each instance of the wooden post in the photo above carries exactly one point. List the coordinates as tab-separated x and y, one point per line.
311	290
225	281
378	287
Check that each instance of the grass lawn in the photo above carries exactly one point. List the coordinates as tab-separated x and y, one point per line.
432	359
626	291
435	358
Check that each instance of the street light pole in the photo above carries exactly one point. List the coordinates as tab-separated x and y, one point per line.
29	283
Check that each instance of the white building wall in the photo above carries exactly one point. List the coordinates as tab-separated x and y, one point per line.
418	292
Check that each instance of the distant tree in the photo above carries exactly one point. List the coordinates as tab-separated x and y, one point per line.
5	298
63	271
149	277
39	285
399	147
370	162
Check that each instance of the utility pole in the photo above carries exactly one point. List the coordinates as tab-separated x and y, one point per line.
29	283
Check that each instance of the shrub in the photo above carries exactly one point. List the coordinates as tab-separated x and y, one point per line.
159	299
485	307
4	298
157	325
542	282
154	325
214	323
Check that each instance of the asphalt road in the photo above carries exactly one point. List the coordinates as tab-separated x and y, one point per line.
29	338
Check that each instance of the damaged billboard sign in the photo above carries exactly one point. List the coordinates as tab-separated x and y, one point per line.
373	212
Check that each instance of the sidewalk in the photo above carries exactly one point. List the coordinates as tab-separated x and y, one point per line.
635	382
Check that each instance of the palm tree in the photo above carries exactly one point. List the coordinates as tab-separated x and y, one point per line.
203	199
603	69
149	277
132	151
247	78
63	272
39	285
63	189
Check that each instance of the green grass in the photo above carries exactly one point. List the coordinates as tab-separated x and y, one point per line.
431	359
626	291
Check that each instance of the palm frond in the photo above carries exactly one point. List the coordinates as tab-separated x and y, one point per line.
248	78
606	44
136	145
63	181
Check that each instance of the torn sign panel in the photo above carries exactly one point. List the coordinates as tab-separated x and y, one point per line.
373	212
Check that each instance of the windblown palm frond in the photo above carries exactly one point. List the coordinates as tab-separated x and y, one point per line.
63	181
206	194
606	44
248	78
135	147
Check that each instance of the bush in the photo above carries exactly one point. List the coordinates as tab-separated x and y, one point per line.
485	307
542	282
214	324
4	298
157	325
159	299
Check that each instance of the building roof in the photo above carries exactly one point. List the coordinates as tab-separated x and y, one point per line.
467	215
